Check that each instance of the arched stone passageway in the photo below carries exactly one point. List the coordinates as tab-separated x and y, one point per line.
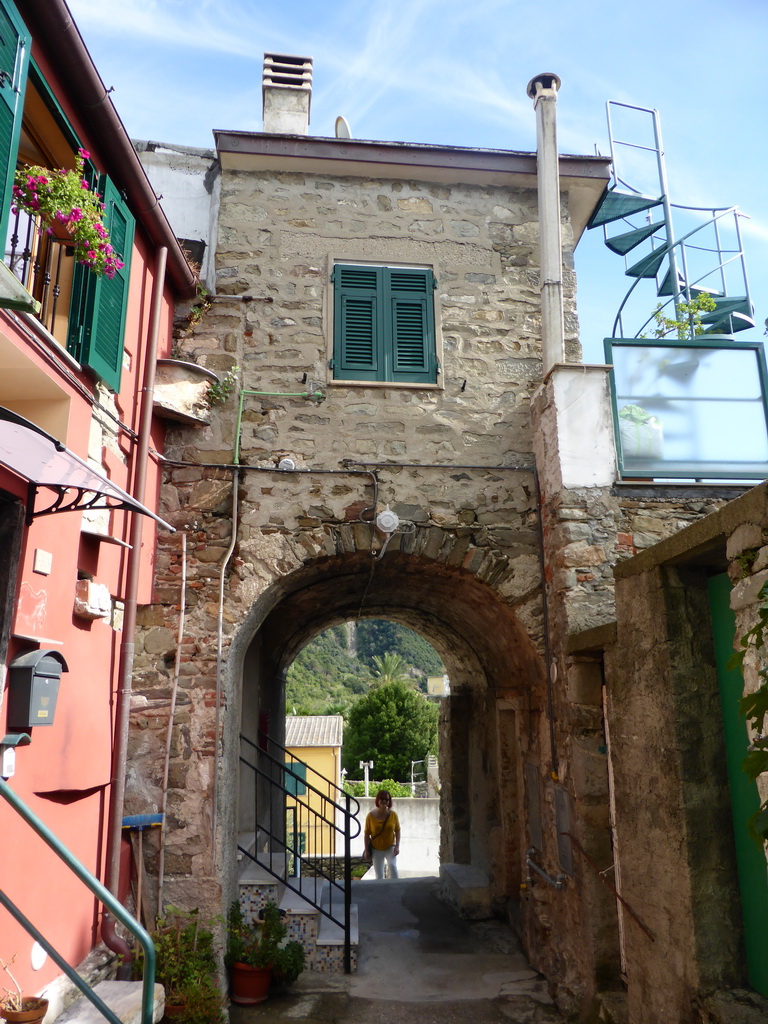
486	722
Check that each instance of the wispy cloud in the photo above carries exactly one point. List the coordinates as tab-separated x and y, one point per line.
194	25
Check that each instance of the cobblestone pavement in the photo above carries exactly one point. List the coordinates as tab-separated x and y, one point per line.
419	963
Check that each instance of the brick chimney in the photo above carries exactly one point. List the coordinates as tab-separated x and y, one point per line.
286	91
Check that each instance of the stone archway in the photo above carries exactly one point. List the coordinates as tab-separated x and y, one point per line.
495	670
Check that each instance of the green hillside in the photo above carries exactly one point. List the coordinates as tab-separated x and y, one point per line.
340	665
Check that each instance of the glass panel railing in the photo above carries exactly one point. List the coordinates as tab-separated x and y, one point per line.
691	409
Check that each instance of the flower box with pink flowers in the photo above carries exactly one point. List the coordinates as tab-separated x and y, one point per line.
63	199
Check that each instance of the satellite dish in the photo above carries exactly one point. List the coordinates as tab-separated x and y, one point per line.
343	131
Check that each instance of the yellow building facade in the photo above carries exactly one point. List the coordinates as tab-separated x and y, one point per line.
313	743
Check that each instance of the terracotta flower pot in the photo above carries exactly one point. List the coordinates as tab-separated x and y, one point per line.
174	1010
33	1010
249	985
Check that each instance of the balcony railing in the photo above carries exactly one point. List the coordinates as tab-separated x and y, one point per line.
44	263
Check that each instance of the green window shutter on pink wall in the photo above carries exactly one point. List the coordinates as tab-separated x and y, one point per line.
99	304
14	63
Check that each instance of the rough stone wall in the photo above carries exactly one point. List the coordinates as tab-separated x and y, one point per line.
279	235
675	852
588	530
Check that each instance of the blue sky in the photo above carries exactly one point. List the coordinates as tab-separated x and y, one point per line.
455	72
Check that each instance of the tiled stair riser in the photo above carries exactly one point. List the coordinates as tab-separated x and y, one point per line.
302	927
330	959
255	895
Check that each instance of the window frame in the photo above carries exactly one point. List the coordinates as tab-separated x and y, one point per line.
96	307
386	298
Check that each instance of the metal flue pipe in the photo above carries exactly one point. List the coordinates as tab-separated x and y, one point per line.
543	91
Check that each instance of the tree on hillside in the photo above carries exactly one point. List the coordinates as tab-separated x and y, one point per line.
325	677
389	668
382	636
391	725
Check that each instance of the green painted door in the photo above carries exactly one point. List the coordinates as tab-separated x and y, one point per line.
752	868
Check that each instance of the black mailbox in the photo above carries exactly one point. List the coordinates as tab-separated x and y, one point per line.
33	686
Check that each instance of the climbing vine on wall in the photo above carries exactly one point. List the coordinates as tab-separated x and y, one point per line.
754	706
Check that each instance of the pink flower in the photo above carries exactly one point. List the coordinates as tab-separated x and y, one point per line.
84	184
84	153
76	213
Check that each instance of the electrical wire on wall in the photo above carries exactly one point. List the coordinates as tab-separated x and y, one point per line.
550	666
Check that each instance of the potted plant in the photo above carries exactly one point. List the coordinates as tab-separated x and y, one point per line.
186	967
63	199
19	1009
257	954
288	964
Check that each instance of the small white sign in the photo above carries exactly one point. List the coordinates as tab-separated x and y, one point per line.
43	562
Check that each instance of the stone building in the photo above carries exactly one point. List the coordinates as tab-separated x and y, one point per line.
412	436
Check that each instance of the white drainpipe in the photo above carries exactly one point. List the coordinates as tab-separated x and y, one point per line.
543	91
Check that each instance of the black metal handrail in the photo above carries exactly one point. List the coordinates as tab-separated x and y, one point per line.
268	743
303	824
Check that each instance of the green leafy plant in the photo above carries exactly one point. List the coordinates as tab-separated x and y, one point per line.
397	789
687	322
754	706
262	944
64	199
389	668
185	965
253	944
220	391
288	963
197	310
392	725
204	1005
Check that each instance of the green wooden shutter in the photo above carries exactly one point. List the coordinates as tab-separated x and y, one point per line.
295	779
356	312
14	63
101	304
384	325
411	326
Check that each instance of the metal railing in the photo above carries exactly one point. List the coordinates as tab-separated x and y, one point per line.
688	282
306	824
44	264
103	895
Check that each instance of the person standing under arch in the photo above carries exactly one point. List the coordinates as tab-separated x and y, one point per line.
382	836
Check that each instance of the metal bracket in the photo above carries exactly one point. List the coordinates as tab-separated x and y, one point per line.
558	882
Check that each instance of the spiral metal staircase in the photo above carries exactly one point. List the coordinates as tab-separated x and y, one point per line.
700	261
686	393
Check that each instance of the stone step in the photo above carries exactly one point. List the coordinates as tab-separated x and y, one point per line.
122	997
467	890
